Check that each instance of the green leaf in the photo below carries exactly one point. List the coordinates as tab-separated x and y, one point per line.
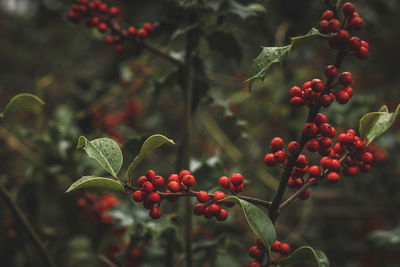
105	150
244	12
306	253
389	239
258	221
94	181
21	102
374	124
263	62
311	35
150	144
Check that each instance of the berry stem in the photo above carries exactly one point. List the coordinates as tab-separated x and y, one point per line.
6	197
314	109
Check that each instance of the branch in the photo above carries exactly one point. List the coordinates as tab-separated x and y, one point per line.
6	197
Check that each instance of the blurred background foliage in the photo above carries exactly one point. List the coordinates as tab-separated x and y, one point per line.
87	87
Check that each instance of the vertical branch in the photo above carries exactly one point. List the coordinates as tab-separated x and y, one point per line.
5	196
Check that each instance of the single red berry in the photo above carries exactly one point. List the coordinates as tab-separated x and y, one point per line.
312	145
132	31
173	177
295	91
342	97
333	177
102	27
109	39
343	36
320	119
334	25
260	244
356	23
203	196
362	53
297	101
279	156
141	180
276	246
285	249
147	204
214	209
317	85
113	11
188	180
348	90
291	182
294	148
269	160
155	213
305	195
314	171
150	174
327	15
325	162
348	9
238	189
207	213
154	197
350	171
367	157
345	78
224	182
276	144
323	26
138	196
157	181
174	186
331	72
222	215
325	142
255	252
255	264
236	179
119	48
354	43
142	33
339	148
218	195
301	161
103	8
324	151
310	129
198	209
326	101
365	44
147	187
183	174
148	27
364	167
335	165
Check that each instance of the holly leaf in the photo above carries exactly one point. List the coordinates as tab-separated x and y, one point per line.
94	181
374	124
257	219
306	253
20	102
105	151
311	35
149	145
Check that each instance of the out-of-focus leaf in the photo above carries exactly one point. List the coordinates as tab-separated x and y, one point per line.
374	124
105	151
20	102
234	7
306	253
386	239
94	181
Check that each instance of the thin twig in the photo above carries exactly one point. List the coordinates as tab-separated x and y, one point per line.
107	261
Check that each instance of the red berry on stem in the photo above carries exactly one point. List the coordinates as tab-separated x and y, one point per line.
154	197
317	85
188	180
174	186
345	78
323	26
312	145
269	160
148	27
348	9
367	157
294	148
260	244
173	177
301	161
155	213
203	196
295	91
305	195
198	209
132	31
327	15
214	209
333	177
109	39
114	11
183	174
310	129
276	246
142	33
141	180
138	196
356	23
342	97
334	25
255	252
102	27
222	215
276	144
279	156
331	72
314	171
297	102
147	187
354	43
285	249
218	195
236	179
362	53
224	182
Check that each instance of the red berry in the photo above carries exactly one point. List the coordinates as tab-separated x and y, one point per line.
325	142
345	78
198	209
295	91
334	25
276	144
113	11
348	90
285	249
236	179
102	27
326	101
367	157
276	246
150	174
170	199
279	156
207	213
269	160
365	44
333	177
203	197
141	180
314	171
147	187
119	48
363	167
218	195
354	43
132	31
301	161
323	26
155	213
109	39
103	8
148	204
222	215
348	9
335	165
255	264
294	148
224	182
339	148
148	27
324	151
317	85
173	177
350	171
260	244
158	181
188	180
183	174
327	15
331	72
312	145
342	97
356	23
305	195
343	36
174	186
255	252
138	196
142	33
214	209
310	129
291	182
297	101
325	162
154	197
362	53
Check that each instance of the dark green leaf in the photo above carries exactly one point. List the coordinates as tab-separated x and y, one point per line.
374	124
21	102
234	7
93	181
306	253
105	150
225	44
258	221
151	143
263	62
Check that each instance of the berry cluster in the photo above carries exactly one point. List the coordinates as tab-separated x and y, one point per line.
99	15
258	251
281	248
235	183
341	33
109	122
95	208
210	205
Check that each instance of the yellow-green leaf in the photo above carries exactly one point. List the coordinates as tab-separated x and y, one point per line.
306	253
20	102
94	181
